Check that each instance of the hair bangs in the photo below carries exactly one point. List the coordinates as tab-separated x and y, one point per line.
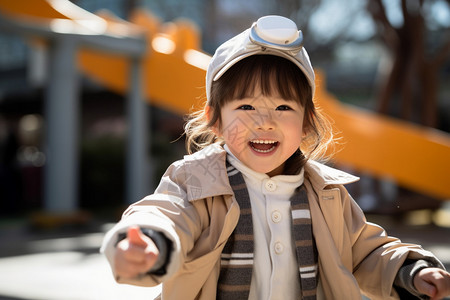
273	75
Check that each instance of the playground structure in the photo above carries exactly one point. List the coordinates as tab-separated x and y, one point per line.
124	55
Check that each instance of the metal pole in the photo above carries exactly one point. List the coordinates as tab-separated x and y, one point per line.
62	116
138	182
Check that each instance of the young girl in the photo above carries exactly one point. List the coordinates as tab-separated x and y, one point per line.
250	214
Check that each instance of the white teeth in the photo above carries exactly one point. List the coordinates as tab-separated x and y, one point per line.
263	151
263	142
273	143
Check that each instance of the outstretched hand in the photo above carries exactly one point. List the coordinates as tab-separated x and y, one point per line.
135	255
433	282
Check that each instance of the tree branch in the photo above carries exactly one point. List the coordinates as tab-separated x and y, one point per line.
378	12
442	54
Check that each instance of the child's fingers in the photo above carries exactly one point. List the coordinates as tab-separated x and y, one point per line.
136	237
433	282
135	255
131	260
127	269
139	241
442	284
425	288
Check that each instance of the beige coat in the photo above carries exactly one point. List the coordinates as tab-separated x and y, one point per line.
194	206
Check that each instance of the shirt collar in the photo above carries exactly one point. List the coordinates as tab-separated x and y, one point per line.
289	182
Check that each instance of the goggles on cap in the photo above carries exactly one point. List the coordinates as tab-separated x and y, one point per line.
277	33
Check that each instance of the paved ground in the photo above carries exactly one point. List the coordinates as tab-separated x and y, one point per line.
64	263
58	264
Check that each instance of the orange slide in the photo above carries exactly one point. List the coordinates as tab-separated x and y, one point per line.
174	71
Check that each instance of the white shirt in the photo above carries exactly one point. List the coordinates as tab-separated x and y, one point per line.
275	269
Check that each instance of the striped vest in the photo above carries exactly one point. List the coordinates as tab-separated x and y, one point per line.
237	255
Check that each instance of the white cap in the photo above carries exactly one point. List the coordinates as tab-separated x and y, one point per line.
271	35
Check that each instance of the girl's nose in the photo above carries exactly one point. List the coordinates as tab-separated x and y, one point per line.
264	120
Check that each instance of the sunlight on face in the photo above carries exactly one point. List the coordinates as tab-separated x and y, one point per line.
262	131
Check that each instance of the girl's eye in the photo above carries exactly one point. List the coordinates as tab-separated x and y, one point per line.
246	107
283	107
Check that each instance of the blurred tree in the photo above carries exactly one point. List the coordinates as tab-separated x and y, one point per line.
417	57
129	6
298	10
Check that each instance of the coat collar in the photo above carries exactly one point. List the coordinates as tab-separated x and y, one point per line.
206	174
207	168
322	176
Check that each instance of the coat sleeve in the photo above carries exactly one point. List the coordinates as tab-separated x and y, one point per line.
376	256
166	211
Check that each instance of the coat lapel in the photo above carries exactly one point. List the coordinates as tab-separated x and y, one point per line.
206	173
328	225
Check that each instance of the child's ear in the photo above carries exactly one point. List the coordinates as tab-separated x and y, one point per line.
209	112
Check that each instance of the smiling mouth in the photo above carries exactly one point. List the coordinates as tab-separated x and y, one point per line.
263	146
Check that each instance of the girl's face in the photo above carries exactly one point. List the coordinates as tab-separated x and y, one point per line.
262	131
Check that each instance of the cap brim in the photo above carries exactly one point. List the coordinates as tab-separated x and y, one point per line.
232	62
228	65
